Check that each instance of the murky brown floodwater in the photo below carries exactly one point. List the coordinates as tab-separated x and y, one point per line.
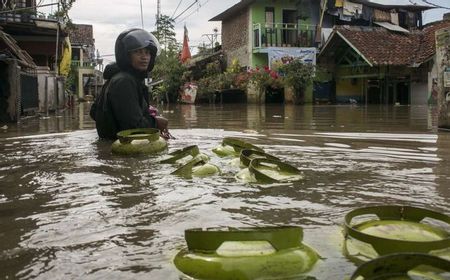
69	209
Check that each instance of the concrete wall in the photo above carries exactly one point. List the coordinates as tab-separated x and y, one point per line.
235	38
14	95
50	98
45	89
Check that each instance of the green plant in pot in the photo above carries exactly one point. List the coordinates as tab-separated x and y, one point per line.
299	76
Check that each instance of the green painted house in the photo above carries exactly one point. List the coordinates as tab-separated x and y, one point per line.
252	29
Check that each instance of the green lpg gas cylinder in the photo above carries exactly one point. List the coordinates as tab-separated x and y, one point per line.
138	141
265	170
375	231
404	266
245	253
197	167
247	156
183	156
232	147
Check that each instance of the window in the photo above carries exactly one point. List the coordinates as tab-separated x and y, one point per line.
270	15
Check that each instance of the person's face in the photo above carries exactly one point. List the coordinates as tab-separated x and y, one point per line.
140	59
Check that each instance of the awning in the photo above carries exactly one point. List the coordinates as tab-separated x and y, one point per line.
391	26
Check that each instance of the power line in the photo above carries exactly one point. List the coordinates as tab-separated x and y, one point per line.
185	10
179	3
435	5
200	5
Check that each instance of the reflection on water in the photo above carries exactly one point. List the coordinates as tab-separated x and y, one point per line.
70	209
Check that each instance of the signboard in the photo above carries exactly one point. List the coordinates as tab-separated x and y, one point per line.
447	78
189	93
284	55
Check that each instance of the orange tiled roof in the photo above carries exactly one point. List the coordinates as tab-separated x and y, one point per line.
81	34
383	47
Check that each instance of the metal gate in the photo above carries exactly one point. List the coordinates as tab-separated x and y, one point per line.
29	92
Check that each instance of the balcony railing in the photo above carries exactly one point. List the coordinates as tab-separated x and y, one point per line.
283	35
87	64
17	17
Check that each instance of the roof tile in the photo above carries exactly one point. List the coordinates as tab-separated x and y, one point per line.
81	34
383	47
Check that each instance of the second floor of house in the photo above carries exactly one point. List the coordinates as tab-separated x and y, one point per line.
307	23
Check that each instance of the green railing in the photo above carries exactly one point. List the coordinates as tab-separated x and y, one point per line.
283	35
79	64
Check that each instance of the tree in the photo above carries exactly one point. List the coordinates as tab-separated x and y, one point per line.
165	33
63	12
168	66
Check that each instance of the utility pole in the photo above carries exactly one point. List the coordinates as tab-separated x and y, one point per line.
57	42
56	86
158	13
212	38
142	15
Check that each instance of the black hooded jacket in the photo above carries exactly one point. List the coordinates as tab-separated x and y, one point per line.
123	101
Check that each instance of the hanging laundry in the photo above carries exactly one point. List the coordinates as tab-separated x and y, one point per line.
381	16
352	9
344	17
394	18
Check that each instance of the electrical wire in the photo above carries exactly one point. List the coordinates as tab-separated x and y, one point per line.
435	5
190	6
176	9
200	5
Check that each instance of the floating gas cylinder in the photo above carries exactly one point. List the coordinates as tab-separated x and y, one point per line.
232	147
265	170
197	167
245	253
182	156
405	266
138	141
382	230
247	155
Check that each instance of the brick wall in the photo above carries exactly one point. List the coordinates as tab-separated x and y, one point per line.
235	39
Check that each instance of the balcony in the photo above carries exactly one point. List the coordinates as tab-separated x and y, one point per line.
283	35
84	64
23	17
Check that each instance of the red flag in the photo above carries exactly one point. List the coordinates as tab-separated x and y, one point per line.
185	52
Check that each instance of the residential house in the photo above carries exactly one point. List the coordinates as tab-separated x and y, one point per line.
18	84
42	38
255	31
84	60
258	32
388	59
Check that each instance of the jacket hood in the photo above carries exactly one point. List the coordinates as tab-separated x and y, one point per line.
133	39
110	70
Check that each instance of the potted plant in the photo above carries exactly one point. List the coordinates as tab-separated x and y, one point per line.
299	76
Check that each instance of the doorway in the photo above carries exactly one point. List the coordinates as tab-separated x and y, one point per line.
289	31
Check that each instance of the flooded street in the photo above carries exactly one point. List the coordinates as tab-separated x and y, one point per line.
69	209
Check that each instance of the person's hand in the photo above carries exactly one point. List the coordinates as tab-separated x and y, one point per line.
153	111
162	124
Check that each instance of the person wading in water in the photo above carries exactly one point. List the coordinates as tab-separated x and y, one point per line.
123	102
